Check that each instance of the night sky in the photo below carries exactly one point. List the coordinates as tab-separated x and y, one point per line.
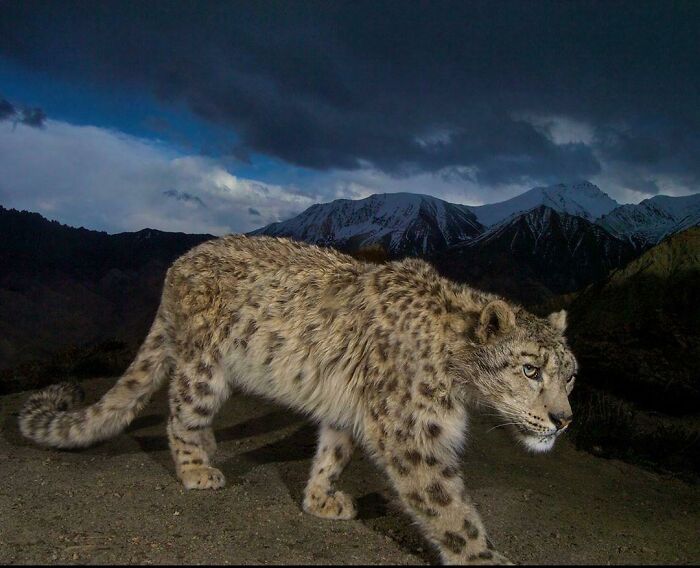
224	116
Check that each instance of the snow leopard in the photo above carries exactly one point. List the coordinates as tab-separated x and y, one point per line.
390	357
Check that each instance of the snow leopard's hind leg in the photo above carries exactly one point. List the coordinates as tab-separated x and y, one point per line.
197	392
332	455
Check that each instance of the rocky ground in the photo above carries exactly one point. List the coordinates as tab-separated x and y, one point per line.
120	503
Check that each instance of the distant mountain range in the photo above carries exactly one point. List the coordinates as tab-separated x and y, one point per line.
409	224
546	241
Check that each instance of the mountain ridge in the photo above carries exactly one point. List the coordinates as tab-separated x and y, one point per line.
647	223
403	223
391	219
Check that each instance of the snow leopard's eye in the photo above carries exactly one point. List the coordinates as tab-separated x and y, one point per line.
570	379
531	372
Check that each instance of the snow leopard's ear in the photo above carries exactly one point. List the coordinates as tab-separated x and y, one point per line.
558	320
497	319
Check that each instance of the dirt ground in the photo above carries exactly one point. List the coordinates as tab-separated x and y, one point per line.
120	503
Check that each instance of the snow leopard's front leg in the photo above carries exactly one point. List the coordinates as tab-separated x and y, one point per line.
426	476
332	455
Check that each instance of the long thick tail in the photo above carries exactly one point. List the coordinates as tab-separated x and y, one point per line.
49	416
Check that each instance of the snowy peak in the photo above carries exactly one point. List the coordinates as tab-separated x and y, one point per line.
582	199
402	223
653	219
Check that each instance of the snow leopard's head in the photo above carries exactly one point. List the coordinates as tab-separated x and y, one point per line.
523	369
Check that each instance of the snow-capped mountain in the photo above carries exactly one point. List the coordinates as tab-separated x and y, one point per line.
414	224
582	199
402	223
648	222
536	254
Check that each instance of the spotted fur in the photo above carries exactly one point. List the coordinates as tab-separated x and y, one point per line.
386	356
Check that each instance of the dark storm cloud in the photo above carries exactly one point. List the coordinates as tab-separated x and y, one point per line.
7	109
403	86
663	146
30	116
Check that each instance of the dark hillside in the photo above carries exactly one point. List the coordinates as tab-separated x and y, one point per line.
638	331
62	287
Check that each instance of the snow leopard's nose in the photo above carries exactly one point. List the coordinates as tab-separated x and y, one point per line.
561	420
